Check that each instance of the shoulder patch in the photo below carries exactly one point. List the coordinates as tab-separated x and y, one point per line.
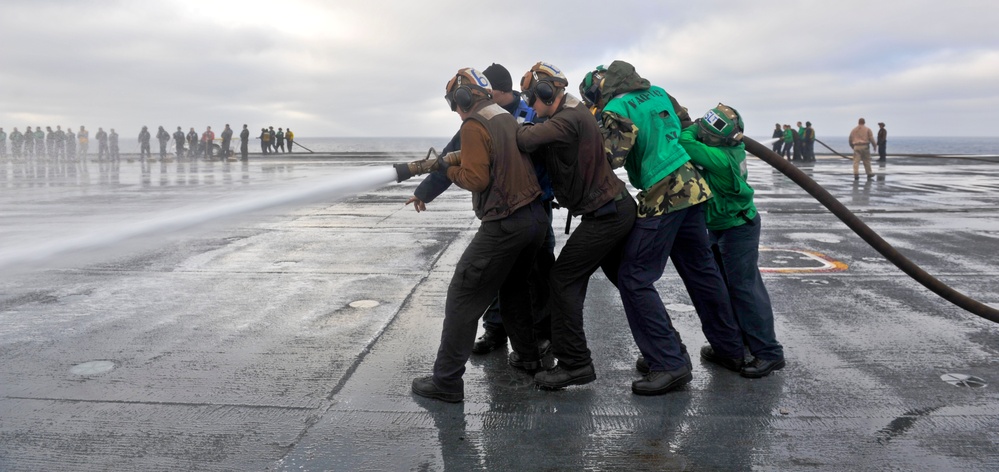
491	111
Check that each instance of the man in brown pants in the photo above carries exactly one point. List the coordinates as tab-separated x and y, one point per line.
861	140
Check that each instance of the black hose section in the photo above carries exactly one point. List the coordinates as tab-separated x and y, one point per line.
943	156
868	235
831	149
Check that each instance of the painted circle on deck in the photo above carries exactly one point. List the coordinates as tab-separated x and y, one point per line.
963	380
92	368
364	304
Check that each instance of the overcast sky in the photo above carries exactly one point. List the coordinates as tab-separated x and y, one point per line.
375	68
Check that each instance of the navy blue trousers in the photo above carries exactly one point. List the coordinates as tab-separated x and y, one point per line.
738	251
683	237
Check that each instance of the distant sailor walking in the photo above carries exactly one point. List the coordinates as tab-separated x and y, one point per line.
163	137
279	141
102	144
178	138
70	144
192	143
208	139
882	142
244	143
861	140
144	143
113	140
83	138
226	139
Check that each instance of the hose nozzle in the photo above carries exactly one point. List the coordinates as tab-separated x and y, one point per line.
428	164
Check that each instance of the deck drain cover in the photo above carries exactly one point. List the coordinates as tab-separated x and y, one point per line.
92	368
963	380
364	304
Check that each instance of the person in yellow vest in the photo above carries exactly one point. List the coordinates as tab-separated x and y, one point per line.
289	137
265	140
83	138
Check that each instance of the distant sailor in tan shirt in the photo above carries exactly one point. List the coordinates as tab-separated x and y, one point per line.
861	140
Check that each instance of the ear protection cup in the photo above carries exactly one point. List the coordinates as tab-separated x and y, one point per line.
463	97
545	91
545	86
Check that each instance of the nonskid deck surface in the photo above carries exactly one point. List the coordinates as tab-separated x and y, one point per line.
287	337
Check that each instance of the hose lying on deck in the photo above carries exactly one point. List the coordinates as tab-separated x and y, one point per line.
867	234
944	156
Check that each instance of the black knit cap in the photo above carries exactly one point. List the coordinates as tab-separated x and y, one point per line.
499	78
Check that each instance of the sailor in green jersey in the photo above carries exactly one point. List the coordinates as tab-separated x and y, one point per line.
714	144
641	128
788	142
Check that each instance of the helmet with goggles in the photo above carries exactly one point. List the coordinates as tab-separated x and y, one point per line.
466	88
589	88
543	82
720	126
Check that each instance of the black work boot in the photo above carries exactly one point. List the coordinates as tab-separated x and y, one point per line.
533	363
708	354
761	367
659	382
642	366
490	341
425	387
559	377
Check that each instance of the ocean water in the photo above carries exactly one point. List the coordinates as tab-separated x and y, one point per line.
900	144
922	145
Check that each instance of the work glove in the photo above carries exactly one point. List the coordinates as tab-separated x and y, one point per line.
447	160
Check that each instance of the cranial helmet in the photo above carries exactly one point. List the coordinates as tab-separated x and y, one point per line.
466	88
720	126
589	88
543	82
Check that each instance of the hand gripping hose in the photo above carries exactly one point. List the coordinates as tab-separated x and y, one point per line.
868	235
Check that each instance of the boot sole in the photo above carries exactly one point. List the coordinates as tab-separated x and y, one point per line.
760	375
676	383
575	381
442	396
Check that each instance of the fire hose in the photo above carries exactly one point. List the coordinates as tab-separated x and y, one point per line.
868	235
407	170
969	158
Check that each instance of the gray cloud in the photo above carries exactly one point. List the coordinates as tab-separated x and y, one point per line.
378	68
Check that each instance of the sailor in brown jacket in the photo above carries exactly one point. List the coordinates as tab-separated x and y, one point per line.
571	146
505	197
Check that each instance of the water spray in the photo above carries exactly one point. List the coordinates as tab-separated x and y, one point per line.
305	192
867	234
326	189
